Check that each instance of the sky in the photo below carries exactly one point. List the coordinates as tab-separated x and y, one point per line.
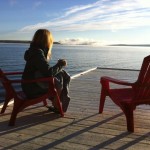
94	22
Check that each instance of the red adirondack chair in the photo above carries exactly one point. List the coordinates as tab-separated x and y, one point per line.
21	101
128	98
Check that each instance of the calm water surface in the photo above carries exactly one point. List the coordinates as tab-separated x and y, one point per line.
80	58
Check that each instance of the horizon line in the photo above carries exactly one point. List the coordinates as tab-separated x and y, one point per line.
55	42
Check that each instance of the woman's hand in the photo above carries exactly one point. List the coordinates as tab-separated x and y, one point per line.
62	62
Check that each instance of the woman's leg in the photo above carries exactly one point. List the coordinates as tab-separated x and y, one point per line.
65	98
62	81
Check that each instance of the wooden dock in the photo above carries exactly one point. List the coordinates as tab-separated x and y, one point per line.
82	128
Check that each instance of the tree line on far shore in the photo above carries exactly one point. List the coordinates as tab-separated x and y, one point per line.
19	41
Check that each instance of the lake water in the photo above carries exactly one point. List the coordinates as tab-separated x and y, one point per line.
80	58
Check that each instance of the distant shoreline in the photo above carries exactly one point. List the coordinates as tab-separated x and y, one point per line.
19	41
25	41
143	45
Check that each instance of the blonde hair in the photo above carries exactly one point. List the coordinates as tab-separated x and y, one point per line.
43	38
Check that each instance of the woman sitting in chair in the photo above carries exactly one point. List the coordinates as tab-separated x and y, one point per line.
37	59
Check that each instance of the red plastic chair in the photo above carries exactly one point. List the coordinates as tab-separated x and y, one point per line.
21	101
128	98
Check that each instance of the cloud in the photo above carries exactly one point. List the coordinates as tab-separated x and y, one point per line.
101	15
144	3
75	9
37	4
82	41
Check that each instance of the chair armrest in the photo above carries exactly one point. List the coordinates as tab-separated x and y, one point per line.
48	79
116	81
13	73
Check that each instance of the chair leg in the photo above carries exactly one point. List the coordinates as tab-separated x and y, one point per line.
13	118
102	101
59	105
7	99
16	108
4	107
129	119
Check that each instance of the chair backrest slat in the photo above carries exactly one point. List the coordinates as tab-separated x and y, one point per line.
142	86
6	84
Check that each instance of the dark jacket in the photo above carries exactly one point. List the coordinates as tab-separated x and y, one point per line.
37	66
